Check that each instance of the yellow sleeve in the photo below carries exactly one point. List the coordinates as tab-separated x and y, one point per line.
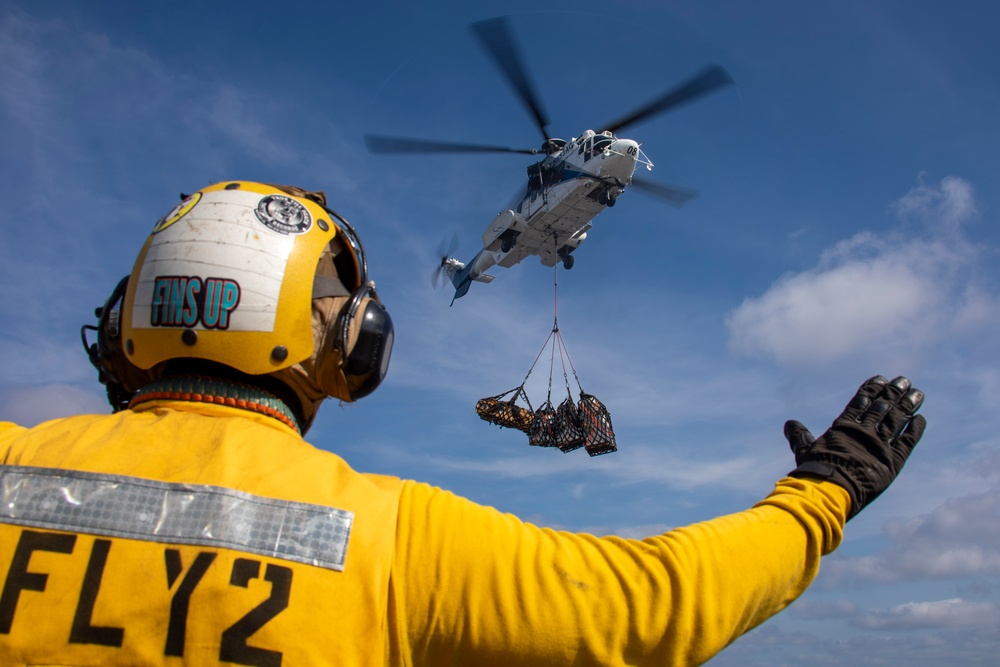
8	431
473	586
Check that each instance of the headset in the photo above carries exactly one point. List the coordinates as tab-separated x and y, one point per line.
368	361
106	353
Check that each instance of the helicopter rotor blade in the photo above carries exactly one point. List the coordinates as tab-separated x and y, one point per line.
496	37
384	144
700	84
676	196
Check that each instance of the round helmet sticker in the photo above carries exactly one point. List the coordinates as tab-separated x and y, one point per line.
283	215
177	213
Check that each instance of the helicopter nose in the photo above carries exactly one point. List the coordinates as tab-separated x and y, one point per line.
624	154
626	146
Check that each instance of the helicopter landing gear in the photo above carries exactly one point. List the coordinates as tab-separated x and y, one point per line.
565	257
607	199
508	239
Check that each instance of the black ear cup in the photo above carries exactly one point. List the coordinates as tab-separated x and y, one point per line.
106	355
365	364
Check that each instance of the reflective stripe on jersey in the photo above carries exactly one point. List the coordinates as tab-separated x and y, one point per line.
175	513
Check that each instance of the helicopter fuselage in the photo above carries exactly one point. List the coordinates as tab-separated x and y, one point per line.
570	186
566	190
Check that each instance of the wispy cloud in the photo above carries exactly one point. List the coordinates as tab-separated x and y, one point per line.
951	203
22	91
81	111
777	644
953	613
813	610
960	538
31	405
76	98
645	464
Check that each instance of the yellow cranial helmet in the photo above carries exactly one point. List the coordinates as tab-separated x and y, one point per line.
264	279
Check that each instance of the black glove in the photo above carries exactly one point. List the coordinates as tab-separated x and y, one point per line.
867	445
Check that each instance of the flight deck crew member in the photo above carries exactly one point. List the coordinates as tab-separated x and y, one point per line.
196	526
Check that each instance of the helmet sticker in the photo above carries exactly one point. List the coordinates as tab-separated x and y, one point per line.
184	301
177	212
283	215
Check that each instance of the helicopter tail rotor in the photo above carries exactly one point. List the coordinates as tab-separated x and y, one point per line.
445	250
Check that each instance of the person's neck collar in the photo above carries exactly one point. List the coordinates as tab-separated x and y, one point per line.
201	389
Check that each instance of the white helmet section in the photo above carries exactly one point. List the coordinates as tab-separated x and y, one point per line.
228	277
246	256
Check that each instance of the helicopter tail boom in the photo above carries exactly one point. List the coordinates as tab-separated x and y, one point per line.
462	275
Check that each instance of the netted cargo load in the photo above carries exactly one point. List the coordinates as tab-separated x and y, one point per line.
557	427
598	432
568	427
543	427
572	425
571	435
505	412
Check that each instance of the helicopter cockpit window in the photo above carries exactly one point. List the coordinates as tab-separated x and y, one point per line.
601	143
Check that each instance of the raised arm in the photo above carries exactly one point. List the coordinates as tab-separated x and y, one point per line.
474	586
471	585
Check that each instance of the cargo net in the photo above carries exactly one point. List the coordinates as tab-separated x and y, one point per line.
505	412
570	425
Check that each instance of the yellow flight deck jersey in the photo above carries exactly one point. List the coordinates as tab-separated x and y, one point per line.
198	534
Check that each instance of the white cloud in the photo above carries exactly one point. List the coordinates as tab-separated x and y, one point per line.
954	613
874	296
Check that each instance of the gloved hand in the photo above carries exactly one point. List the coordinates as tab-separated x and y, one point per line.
867	444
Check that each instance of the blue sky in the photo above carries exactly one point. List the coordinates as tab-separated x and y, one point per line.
845	227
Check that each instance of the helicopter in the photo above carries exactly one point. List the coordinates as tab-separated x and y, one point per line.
574	182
